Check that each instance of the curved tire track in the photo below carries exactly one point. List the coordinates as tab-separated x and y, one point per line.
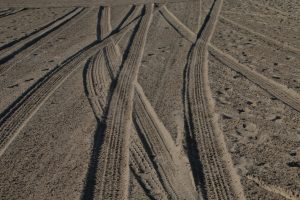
143	167
209	148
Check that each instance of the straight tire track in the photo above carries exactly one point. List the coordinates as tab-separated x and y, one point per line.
18	53
33	34
288	194
263	37
11	12
177	24
281	92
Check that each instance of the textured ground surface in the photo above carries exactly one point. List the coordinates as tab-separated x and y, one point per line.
144	99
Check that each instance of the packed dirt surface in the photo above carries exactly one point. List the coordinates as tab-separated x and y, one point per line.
150	99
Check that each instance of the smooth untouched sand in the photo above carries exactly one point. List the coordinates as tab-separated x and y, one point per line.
144	99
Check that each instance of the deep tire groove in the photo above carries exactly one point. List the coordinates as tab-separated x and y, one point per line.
202	123
114	172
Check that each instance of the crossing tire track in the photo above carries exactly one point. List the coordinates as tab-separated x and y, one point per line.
114	155
105	26
142	166
22	109
170	163
112	57
96	80
97	76
177	24
138	155
281	92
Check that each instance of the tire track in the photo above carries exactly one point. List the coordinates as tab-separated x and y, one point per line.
254	14
213	169
101	71
259	35
281	92
96	82
268	7
114	153
3	10
97	76
11	12
33	34
178	166
15	117
138	165
104	27
16	54
142	166
178	25
166	182
168	160
288	194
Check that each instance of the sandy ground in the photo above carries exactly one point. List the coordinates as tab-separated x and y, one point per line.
143	99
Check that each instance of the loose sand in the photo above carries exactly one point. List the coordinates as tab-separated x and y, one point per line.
150	99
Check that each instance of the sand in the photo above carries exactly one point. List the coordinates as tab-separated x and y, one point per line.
144	99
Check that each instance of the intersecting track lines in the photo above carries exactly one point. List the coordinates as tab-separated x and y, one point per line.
213	169
154	158
114	152
97	86
168	161
104	26
14	53
142	166
22	109
177	25
281	92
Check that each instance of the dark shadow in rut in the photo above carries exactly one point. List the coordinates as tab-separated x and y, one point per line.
88	190
192	150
